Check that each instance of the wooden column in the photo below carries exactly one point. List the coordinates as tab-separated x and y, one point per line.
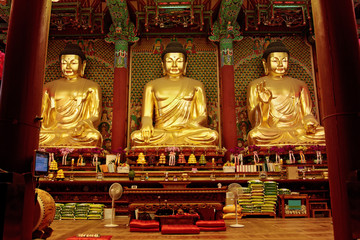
228	116
119	121
20	104
339	77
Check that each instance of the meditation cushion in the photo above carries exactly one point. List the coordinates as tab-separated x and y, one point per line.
179	229
144	229
212	223
231	209
144	225
231	216
212	229
135	223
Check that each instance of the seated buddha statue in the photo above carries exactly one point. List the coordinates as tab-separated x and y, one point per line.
279	107
174	106
71	106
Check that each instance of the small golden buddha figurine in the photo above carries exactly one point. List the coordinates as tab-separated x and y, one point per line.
141	159
279	107
179	105
71	105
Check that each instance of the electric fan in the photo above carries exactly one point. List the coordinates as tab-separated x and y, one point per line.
115	193
237	190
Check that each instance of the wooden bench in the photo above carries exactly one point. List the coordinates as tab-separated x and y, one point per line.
206	211
320	207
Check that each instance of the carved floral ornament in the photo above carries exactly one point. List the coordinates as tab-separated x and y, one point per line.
88	16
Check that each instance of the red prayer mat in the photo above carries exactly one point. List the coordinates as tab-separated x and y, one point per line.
90	238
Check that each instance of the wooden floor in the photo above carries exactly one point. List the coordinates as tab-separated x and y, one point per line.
254	229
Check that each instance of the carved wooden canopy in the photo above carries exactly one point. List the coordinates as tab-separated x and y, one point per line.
95	18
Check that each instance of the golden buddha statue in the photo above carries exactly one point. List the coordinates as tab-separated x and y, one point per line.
279	107
179	106
71	106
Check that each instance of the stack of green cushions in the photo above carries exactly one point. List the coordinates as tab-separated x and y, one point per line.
58	207
282	191
245	201
96	211
82	211
79	211
270	197
257	194
68	211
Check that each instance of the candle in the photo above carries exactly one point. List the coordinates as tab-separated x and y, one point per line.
72	161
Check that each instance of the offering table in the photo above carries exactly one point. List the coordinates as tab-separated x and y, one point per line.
175	195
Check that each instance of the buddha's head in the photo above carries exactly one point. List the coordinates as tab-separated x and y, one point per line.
174	60
276	59
72	61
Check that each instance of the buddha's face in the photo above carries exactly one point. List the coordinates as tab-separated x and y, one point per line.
174	64
72	66
277	63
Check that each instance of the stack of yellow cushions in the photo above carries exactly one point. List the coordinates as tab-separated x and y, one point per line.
229	212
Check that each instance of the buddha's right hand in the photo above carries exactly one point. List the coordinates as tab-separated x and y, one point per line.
147	132
263	93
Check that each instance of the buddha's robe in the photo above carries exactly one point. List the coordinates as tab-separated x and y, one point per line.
282	120
69	110
180	114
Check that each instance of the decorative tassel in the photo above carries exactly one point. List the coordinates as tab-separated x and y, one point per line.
277	158
318	157
64	157
65	152
95	160
237	163
302	157
256	157
117	159
51	158
291	157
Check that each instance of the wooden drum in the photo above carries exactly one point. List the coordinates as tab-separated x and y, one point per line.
44	212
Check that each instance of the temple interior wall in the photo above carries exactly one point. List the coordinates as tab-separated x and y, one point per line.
145	65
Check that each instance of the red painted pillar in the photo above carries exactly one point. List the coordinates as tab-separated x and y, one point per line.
339	77
228	116
120	96
20	104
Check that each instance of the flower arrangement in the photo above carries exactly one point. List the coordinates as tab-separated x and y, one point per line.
277	150
317	148
236	150
288	148
253	148
55	151
118	151
172	149
96	150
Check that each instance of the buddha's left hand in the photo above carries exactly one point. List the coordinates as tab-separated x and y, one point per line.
311	126
80	128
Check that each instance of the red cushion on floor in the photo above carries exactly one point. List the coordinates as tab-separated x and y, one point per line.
89	238
210	223
210	229
135	223
179	229
132	229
